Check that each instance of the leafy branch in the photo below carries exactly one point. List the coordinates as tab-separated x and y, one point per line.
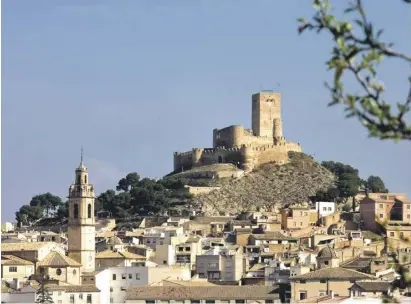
360	55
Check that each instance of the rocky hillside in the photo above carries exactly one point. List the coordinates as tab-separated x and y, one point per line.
268	187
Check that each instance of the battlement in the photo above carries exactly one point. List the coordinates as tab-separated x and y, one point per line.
183	153
245	148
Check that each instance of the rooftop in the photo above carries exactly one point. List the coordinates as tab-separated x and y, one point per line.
374	286
256	292
27	246
13	260
275	235
56	259
338	273
119	255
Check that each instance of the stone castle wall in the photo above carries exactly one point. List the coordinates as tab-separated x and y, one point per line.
246	148
236	136
247	157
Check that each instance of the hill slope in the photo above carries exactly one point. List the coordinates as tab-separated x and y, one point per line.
268	187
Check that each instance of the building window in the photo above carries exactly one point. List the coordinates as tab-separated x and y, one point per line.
130	276
12	269
59	302
239	301
111	300
391	233
323	281
381	206
123	276
195	302
325	262
89	211
59	293
111	289
408	216
401	234
381	215
210	301
137	276
75	210
58	271
301	223
150	302
71	298
408	206
74	272
114	276
53	238
89	298
324	208
294	224
80	296
85	179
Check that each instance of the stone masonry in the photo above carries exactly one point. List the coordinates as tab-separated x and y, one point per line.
246	148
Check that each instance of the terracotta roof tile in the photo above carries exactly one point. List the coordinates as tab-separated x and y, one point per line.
202	293
374	286
56	259
118	255
27	246
13	260
334	273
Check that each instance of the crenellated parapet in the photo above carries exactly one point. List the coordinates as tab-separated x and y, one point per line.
247	148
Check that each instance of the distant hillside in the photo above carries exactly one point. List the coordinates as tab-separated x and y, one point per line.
268	187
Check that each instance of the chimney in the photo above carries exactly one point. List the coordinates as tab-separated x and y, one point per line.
332	294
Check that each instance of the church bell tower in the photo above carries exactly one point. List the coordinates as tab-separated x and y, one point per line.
81	224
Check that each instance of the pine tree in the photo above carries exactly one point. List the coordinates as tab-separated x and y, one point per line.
43	295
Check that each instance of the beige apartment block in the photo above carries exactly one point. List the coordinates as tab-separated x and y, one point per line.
13	267
297	217
224	265
383	208
326	281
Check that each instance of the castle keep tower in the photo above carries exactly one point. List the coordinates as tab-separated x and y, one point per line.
81	225
266	114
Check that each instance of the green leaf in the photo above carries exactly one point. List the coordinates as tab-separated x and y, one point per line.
359	22
302	20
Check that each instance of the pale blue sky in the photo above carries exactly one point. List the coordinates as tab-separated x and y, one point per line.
133	81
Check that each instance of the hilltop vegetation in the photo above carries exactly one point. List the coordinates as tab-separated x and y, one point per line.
268	187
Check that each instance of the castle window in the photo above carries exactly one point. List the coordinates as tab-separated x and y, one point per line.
89	211
220	159
75	210
78	179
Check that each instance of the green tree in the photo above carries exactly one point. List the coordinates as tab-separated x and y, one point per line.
27	214
43	295
47	201
358	50
128	182
374	184
348	180
63	211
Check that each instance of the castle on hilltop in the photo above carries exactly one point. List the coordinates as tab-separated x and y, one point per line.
246	148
